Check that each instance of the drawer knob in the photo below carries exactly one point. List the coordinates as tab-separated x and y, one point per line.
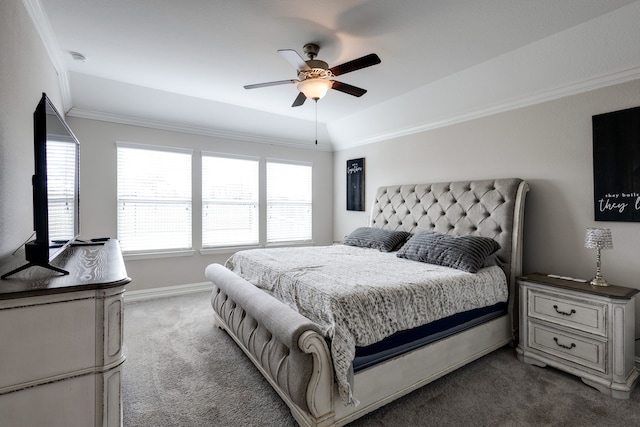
564	313
568	347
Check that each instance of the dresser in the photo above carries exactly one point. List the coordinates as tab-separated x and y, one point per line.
61	340
585	330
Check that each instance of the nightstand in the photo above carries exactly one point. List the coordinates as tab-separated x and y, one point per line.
588	331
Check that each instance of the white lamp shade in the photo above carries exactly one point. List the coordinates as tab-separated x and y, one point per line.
598	238
315	88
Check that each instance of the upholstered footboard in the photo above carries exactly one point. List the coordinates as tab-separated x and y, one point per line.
286	347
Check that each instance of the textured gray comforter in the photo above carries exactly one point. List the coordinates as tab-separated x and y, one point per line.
359	296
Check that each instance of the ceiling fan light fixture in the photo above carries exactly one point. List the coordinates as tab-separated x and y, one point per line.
315	88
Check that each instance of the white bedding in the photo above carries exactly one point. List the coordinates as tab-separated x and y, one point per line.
359	296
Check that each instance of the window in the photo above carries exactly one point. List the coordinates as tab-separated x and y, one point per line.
288	202
229	201
154	198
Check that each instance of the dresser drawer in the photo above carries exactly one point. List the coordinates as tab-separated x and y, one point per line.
582	314
584	351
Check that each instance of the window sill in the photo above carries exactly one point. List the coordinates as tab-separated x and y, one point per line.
290	244
227	249
234	249
160	254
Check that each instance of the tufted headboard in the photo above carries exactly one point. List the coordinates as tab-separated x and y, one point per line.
489	208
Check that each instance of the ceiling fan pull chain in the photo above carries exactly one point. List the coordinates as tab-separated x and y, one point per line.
316	122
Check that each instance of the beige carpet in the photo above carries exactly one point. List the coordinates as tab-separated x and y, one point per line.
181	371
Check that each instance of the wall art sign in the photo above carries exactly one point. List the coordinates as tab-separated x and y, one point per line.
355	185
616	165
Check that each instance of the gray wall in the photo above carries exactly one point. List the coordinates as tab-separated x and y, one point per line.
549	145
25	72
98	209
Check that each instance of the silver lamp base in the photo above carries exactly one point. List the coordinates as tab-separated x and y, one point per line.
599	281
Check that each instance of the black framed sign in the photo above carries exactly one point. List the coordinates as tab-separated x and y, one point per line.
616	165
355	185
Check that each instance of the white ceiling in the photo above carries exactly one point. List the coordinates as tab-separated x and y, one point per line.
183	64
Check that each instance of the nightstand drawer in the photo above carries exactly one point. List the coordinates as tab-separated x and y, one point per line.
573	348
585	315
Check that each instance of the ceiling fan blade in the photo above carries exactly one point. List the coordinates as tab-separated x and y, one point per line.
346	88
294	58
299	100
356	64
279	82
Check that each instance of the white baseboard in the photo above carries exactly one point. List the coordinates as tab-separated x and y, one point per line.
166	291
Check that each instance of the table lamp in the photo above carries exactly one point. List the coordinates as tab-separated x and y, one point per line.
598	238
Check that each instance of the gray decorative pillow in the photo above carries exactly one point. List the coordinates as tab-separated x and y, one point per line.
466	253
376	238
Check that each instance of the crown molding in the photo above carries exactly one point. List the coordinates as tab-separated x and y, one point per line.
480	112
488	110
43	27
196	130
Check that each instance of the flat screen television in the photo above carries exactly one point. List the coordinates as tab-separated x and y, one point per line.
56	188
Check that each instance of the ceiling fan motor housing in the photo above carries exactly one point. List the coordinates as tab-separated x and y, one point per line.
317	69
316	63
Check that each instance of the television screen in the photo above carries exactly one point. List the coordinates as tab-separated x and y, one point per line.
61	183
56	188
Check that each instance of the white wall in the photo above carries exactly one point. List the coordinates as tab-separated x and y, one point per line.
549	145
98	208
25	72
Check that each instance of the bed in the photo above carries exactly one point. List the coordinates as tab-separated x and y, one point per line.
303	356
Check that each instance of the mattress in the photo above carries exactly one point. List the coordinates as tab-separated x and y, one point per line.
404	341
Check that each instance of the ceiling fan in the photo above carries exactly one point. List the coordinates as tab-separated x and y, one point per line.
315	76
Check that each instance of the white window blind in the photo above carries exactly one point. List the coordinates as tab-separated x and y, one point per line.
289	212
154	198
61	185
229	201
